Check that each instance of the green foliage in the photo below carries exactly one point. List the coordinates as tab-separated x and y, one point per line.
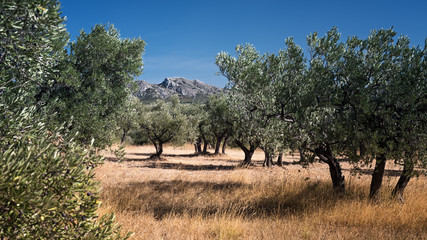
127	116
361	98
120	153
138	137
46	178
251	98
32	37
46	182
195	115
217	122
164	122
94	83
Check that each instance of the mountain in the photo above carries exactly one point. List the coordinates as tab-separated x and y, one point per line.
187	90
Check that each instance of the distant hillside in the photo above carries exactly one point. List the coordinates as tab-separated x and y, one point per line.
187	90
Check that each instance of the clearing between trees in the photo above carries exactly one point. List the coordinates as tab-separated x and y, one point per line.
187	196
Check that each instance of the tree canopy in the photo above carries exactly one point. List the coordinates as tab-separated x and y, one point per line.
163	122
46	179
363	99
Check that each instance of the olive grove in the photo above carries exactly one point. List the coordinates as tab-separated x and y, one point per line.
360	99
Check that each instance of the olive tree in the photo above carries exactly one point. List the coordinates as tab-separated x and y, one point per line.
387	95
32	40
261	92
94	82
322	117
217	111
127	116
367	103
46	181
194	114
46	178
246	76
163	122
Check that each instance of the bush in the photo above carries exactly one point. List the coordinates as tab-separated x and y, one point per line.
46	182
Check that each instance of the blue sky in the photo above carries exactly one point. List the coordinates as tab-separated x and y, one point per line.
183	37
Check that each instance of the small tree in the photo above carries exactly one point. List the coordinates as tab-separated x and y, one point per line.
246	82
194	114
217	119
163	122
127	116
246	126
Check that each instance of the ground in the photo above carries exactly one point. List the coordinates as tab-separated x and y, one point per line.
185	196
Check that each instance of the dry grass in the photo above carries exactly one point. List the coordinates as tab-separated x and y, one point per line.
198	197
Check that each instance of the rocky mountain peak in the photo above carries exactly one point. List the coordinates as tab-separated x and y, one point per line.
184	88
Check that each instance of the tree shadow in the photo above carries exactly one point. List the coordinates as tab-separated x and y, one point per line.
182	155
139	154
387	172
127	159
178	197
191	167
171	155
259	163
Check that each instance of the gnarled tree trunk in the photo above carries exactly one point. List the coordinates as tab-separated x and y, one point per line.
224	144
408	170
325	155
124	135
377	176
205	145
198	145
248	153
268	160
159	150
280	159
218	145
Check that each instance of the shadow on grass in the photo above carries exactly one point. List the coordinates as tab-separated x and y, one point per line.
114	159
201	198
191	155
190	167
139	154
387	172
182	155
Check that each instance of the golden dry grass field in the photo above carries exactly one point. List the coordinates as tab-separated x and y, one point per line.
206	197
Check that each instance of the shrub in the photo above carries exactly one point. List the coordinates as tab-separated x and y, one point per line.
46	182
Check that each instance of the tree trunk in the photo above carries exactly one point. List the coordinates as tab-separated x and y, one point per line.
268	160
301	150
125	133
248	159
336	175
280	159
362	150
218	145
205	146
377	176
403	181
198	145
325	155
159	151
224	144
248	153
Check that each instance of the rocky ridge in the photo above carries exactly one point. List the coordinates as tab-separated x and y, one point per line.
184	88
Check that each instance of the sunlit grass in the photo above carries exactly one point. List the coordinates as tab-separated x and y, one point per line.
255	203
